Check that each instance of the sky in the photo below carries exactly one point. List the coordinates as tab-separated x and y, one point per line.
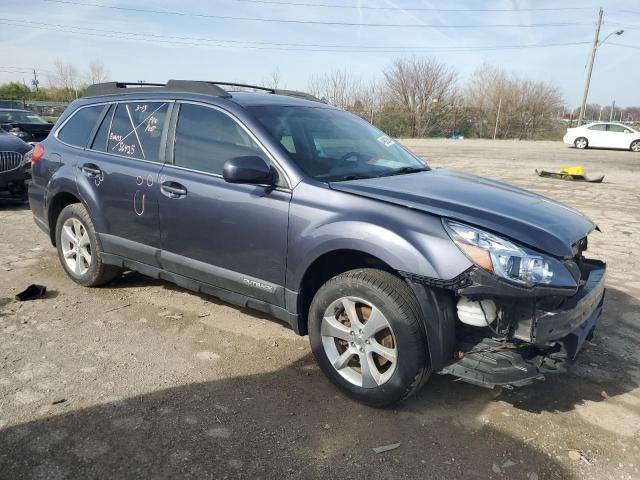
135	40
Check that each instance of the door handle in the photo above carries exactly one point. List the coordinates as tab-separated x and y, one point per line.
173	189
91	170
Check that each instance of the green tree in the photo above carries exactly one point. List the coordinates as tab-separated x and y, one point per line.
14	91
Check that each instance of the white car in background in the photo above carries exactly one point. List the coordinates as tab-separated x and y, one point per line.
603	135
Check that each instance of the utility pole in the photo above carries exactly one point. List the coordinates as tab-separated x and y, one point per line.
495	130
613	109
593	57
35	82
596	44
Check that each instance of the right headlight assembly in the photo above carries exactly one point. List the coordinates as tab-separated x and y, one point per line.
506	259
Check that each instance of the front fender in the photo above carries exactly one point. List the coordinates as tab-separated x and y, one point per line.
324	220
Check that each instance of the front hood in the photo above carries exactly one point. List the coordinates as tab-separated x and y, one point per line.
523	216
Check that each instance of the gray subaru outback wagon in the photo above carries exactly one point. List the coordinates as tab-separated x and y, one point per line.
278	202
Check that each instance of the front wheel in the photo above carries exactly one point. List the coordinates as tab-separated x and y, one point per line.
635	146
367	337
581	143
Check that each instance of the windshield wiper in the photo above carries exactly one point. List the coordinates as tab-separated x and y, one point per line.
403	170
344	178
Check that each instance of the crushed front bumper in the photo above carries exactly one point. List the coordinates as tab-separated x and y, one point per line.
543	341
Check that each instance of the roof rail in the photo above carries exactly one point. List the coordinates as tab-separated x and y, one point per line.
189	86
274	91
243	85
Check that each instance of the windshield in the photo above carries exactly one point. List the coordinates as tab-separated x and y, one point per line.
333	145
8	116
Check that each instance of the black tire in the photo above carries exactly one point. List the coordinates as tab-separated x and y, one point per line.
396	301
635	146
581	143
98	273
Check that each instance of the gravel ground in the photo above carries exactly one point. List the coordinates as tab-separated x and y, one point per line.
141	379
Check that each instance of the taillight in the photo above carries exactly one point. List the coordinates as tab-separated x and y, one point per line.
37	153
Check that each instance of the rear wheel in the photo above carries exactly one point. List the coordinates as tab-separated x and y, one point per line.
367	337
635	146
79	250
581	143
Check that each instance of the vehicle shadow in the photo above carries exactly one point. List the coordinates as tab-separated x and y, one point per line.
607	367
286	424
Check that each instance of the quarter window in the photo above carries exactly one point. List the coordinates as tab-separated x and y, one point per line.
100	141
206	138
136	129
80	126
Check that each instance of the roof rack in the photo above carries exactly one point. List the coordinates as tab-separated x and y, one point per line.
190	86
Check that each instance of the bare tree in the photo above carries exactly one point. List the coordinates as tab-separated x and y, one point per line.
339	88
97	73
273	80
524	106
422	87
65	77
367	99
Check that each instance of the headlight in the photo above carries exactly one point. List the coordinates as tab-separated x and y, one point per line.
507	260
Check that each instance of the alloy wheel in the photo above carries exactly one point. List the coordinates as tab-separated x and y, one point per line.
581	143
359	342
76	246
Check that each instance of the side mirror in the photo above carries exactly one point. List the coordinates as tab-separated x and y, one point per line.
249	169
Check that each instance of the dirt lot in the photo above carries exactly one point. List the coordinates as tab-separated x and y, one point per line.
143	379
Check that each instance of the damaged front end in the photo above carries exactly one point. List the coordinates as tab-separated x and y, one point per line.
527	336
511	333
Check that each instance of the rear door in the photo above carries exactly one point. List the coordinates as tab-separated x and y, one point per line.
231	236
119	177
597	135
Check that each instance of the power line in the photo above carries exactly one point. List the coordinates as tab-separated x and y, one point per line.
626	45
197	41
411	9
318	22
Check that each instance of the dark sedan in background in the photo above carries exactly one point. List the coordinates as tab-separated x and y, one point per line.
15	166
24	124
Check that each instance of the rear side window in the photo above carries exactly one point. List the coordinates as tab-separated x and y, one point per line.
136	129
600	127
206	138
80	126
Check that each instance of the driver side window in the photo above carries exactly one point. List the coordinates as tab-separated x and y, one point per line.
206	138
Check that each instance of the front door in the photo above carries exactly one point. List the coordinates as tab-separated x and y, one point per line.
121	170
618	136
231	236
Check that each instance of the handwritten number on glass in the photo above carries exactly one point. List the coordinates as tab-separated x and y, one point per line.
151	122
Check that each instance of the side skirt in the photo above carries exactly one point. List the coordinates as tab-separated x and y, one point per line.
225	295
